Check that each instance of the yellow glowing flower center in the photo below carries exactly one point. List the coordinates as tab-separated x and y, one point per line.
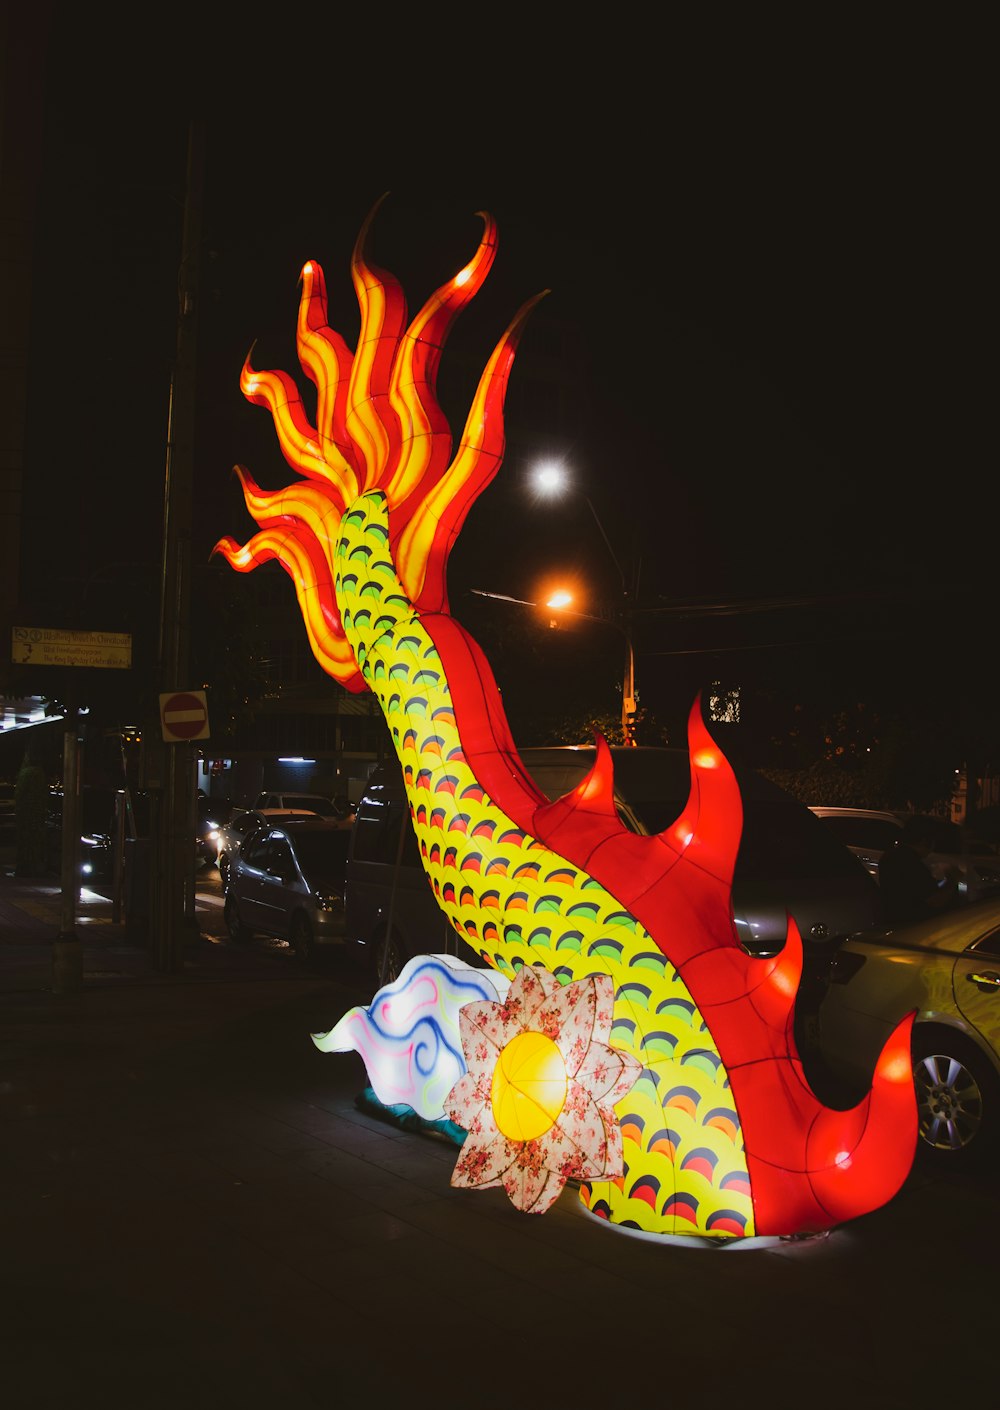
529	1087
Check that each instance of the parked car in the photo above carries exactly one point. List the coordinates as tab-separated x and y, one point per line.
288	881
310	802
242	823
869	831
390	906
947	969
787	862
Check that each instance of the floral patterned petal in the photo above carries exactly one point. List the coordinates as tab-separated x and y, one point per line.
609	1073
468	1100
482	1044
530	992
615	1155
567	1156
531	1189
585	1140
604	1015
482	1163
578	1006
584	1129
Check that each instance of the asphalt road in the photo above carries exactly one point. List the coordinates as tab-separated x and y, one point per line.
195	1212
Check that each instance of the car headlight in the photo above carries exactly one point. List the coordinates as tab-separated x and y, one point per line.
329	900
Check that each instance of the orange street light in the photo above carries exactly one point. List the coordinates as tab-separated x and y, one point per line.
559	601
551	479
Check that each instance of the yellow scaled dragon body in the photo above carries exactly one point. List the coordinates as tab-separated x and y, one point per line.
722	1135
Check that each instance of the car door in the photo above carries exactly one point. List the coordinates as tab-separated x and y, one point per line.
249	879
276	886
266	869
976	981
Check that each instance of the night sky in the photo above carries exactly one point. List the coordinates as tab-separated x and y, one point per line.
770	249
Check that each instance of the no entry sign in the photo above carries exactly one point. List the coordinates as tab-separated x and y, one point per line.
184	716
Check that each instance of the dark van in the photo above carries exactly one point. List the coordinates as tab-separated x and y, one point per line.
389	904
787	862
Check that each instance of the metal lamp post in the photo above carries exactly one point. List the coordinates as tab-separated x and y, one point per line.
551	479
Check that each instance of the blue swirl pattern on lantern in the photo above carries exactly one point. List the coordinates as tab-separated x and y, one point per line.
408	1036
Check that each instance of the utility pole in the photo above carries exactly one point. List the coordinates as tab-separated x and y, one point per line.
67	949
173	807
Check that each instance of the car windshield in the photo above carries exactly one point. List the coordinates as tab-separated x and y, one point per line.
322	854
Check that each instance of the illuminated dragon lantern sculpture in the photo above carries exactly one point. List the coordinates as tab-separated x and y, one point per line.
708	1126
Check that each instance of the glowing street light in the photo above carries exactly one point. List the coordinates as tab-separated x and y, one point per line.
551	479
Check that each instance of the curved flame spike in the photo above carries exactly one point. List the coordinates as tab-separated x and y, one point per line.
313	589
425	429
588	810
320	613
244	557
767	987
261	503
837	1165
371	421
705	839
714	796
296	436
424	545
327	360
379	423
302	510
858	1159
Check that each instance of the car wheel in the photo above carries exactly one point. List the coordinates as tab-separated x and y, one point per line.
389	959
958	1099
224	871
302	938
238	932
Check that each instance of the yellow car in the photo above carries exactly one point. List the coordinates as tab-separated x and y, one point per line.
947	969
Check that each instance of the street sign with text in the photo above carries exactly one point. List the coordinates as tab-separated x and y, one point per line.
54	646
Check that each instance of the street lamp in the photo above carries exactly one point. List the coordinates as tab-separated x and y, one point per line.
560	602
551	479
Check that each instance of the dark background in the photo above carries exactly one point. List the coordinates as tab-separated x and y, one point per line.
768	247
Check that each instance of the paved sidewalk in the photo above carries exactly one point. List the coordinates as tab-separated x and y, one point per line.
31	922
195	1214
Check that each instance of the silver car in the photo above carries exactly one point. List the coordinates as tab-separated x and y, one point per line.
787	863
287	880
869	831
243	822
947	970
298	803
787	860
